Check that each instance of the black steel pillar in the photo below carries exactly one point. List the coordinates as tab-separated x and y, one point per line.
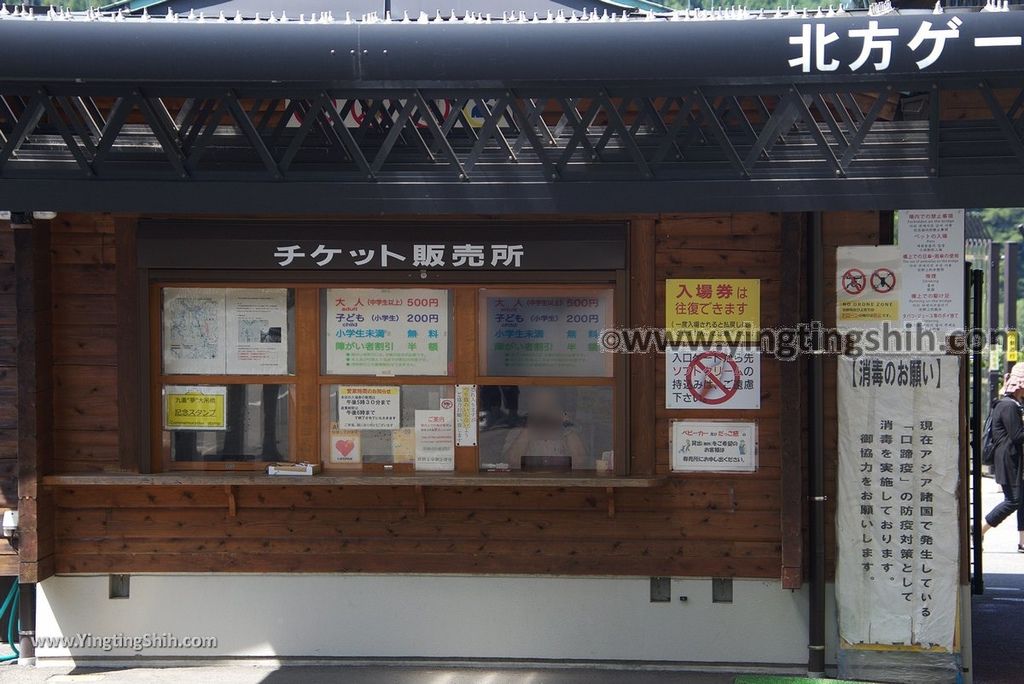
995	371
1010	276
816	453
976	283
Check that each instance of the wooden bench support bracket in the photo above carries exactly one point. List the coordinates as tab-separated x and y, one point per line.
232	503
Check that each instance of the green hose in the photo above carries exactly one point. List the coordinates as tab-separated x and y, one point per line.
12	602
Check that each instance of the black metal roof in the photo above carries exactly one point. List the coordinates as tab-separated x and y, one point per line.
692	112
603	47
356	8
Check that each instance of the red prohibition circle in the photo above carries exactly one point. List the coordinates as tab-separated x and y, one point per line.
854	281
883	280
709	376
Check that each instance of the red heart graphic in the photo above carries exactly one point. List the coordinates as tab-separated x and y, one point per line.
345	446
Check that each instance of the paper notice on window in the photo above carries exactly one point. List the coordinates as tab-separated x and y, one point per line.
193	331
466	418
403	445
435	440
257	331
362	407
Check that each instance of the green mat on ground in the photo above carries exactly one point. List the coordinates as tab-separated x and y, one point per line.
775	679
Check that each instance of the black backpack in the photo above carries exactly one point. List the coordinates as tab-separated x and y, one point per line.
988	442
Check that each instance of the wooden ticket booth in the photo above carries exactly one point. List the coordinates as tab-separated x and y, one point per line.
436	278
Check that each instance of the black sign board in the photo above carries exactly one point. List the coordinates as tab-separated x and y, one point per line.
382	247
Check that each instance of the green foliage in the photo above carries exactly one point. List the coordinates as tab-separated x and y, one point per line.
76	5
1002	223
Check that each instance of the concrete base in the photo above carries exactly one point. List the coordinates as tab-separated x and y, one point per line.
436	617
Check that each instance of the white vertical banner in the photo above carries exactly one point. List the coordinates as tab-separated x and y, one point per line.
932	250
897	526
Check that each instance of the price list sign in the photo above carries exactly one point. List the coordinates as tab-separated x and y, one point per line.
387	332
546	334
897	507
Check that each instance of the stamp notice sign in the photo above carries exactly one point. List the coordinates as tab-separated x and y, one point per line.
195	408
712	378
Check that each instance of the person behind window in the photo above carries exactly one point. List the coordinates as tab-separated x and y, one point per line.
1008	435
548	441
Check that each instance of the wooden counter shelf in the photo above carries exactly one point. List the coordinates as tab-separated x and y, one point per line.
230	480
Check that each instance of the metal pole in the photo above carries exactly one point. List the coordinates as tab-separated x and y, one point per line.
1010	288
816	460
995	372
977	578
27	624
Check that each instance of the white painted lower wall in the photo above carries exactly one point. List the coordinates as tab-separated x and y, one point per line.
443	617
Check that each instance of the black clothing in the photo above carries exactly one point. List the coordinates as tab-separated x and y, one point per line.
1008	434
1009	504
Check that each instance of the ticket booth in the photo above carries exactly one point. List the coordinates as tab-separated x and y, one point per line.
362	338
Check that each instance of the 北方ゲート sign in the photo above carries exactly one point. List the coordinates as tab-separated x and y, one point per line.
195	408
712	377
897	515
932	247
714	446
713	310
867	286
387	332
373	407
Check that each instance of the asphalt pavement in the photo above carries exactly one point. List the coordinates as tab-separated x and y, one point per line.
998	614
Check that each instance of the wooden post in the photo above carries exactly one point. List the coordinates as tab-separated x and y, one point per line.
129	374
643	311
790	428
35	396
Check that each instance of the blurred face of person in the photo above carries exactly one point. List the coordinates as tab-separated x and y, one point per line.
545	414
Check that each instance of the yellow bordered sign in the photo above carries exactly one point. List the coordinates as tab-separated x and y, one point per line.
195	408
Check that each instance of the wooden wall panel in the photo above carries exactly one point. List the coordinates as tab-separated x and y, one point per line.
85	343
694	525
8	392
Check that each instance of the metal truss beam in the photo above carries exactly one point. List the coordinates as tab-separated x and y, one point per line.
569	146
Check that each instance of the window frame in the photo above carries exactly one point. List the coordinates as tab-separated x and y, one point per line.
305	429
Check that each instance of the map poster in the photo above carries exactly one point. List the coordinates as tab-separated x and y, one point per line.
435	440
386	332
193	331
368	407
257	331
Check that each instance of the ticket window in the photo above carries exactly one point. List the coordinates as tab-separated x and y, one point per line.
371	378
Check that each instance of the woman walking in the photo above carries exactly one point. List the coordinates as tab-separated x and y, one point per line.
1008	436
